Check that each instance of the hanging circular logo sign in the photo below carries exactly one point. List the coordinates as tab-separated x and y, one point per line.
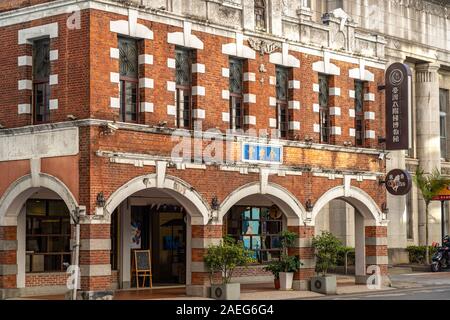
398	182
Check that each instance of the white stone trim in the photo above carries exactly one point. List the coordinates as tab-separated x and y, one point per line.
54	55
145	59
24	108
249	98
316	107
53	80
25	85
272	101
361	73
295	105
225	72
226	94
114	77
351	94
131	27
115	103
199	113
50	30
369	115
24	61
272	80
146	83
250	120
326	66
198	68
249	76
370	134
198	91
351	113
335	91
53	104
316	87
352	132
225	116
335	111
272	122
294	84
238	49
147	106
283	58
171	86
171	110
171	64
294	125
369	97
316	127
114	53
336	131
185	38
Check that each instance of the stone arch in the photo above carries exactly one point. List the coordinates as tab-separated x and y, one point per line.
180	190
354	196
19	191
285	200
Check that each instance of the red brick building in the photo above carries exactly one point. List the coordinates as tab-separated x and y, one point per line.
166	132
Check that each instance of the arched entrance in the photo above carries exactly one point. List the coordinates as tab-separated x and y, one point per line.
35	212
353	207
163	213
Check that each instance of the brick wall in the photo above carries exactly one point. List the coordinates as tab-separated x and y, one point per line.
46	279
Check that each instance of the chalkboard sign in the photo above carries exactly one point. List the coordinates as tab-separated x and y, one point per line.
142	260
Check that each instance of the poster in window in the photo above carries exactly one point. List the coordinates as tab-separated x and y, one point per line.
136	229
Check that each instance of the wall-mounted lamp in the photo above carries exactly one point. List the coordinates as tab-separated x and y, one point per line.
101	201
348	143
381	181
1	127
384	211
309	205
215	203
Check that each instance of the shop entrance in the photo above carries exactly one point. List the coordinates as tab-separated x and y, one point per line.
162	230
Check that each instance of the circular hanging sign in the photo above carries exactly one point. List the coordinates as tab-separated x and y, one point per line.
398	182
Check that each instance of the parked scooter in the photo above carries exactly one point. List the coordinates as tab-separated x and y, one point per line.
441	259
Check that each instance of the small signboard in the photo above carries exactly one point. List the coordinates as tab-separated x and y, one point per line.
142	267
444	194
398	107
262	153
398	182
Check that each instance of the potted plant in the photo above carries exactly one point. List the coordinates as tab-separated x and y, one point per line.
327	247
288	264
274	267
223	259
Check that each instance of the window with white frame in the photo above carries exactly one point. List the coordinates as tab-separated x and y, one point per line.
236	90
443	107
41	80
129	79
324	112
183	76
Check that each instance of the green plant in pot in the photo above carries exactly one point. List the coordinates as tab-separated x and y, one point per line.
326	248
274	267
288	264
223	259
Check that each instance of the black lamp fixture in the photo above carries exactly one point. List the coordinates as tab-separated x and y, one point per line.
384	210
214	203
309	205
101	201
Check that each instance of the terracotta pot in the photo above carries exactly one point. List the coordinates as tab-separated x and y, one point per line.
277	283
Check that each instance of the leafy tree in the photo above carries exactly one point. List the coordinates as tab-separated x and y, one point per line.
429	185
225	257
327	247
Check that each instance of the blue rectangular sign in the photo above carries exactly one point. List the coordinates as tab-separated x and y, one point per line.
262	153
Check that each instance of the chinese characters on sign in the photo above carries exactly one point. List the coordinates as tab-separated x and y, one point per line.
398	182
398	88
262	153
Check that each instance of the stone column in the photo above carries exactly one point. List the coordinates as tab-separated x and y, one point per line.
202	238
8	262
342	221
376	252
95	265
304	250
428	140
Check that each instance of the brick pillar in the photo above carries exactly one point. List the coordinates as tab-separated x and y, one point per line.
250	103
335	106
8	261
202	238
146	83
377	252
294	110
304	250
95	265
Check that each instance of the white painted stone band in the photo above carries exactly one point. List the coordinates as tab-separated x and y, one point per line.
8	269
95	270
202	243
6	245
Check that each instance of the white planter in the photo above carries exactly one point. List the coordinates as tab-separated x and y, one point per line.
324	284
229	291
286	279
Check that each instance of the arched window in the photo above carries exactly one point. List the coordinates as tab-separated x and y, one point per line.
260	15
